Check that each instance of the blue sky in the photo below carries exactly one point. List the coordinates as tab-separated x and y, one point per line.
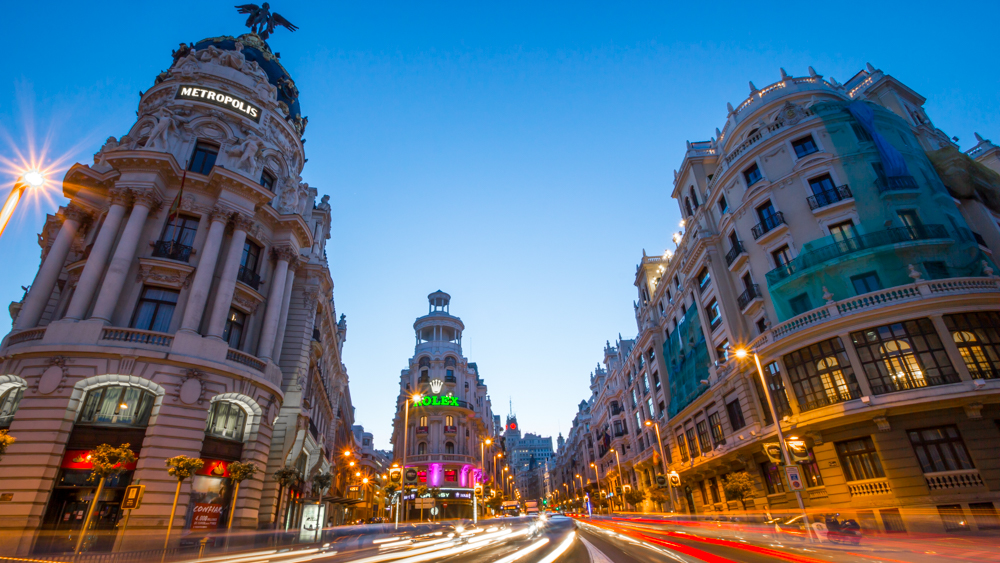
517	155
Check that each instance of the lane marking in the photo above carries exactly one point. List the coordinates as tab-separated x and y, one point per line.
596	555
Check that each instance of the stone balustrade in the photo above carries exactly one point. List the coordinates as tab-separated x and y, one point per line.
961	479
869	487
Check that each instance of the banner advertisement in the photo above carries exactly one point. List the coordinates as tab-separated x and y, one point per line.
206	516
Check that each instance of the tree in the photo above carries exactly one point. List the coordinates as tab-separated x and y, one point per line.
105	461
635	497
179	467
659	496
739	486
5	440
286	477
320	482
238	472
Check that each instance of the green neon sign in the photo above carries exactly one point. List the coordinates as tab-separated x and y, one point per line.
438	401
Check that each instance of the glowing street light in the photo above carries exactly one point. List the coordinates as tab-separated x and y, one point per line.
32	179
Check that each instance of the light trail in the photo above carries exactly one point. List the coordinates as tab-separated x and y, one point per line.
560	549
524	551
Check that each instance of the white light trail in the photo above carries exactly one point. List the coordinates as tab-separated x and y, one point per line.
522	552
560	549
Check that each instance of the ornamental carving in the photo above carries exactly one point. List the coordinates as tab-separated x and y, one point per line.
164	273
73	213
119	196
242	222
284	252
148	199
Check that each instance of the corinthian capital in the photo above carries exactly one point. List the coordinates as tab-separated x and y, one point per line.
119	196
286	253
242	221
73	213
220	213
147	198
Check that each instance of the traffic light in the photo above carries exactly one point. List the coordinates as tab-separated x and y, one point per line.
486	490
628	488
479	489
395	475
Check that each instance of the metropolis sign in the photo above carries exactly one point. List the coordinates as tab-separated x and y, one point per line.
221	99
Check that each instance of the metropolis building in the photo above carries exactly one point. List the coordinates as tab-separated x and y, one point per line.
833	230
197	323
447	429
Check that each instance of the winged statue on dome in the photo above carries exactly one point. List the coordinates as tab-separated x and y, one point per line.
262	21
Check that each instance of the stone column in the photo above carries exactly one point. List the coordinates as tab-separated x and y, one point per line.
286	301
202	284
284	255
227	279
114	280
99	253
48	273
856	365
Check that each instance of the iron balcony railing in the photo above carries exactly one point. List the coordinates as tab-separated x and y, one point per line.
855	244
749	295
768	224
894	183
734	253
172	250
450	379
249	277
829	197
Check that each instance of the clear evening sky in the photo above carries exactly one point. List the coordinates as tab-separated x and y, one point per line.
517	155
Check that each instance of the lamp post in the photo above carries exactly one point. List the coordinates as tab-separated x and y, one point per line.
406	432
621	480
786	459
663	460
30	179
599	490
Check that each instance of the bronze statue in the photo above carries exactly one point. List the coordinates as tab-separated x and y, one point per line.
261	21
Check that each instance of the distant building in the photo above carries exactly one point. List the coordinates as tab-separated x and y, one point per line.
526	456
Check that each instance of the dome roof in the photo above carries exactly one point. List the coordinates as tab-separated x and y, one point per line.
257	50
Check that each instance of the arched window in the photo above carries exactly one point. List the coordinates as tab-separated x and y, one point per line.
423	421
116	405
902	365
449	448
687	205
9	400
422	448
226	420
449	420
694	197
450	362
425	362
834	383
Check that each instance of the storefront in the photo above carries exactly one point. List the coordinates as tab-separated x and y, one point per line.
211	501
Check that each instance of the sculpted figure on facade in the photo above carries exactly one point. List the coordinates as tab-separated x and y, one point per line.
247	152
166	122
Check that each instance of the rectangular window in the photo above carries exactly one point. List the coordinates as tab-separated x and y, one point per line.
735	414
782	256
940	449
714	314
649	405
909	218
804	146
692	442
656	379
723	204
767	215
251	256
842	232
635	399
860	132
703	437
203	158
233	332
180	229
859	459
761	325
682	446
936	270
800	304
823	186
772	478
977	336
752	174
810	471
722	351
155	309
953	517
776	386
704	279
226	420
713	487
715	425
645	384
267	179
892	521
985	515
866	283
821	374
704	495
638	423
902	356
662	408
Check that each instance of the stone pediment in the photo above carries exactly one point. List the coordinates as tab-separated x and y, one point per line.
163	272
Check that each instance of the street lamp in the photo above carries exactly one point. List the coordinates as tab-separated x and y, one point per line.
663	460
406	432
598	476
30	179
741	353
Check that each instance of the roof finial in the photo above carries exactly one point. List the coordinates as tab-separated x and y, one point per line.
784	74
869	68
978	137
812	72
729	107
752	87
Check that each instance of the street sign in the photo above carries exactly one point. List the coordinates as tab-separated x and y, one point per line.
423	503
661	481
395	475
411	475
133	497
794	477
675	479
434	511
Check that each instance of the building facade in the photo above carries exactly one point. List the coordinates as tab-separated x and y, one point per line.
835	232
527	456
368	476
445	432
184	306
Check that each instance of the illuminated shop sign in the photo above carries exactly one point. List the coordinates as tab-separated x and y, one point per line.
444	495
221	99
438	401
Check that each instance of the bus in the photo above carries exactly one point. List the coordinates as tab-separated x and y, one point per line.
531	507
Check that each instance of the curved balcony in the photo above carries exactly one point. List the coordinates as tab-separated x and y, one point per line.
854	245
447	458
249	277
829	197
896	183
